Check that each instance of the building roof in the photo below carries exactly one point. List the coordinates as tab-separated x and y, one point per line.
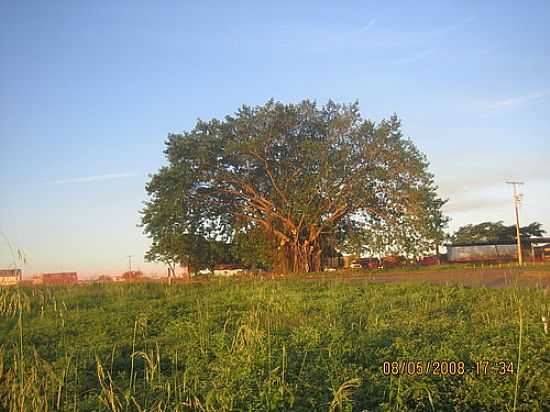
10	272
461	244
225	266
58	274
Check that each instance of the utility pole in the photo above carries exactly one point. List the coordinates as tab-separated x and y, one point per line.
517	201
130	262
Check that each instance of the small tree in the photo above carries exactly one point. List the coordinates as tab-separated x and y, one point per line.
167	250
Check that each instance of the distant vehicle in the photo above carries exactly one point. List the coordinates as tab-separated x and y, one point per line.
355	265
204	272
372	263
365	263
393	261
429	260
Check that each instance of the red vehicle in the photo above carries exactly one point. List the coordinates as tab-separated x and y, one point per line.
429	260
393	261
366	263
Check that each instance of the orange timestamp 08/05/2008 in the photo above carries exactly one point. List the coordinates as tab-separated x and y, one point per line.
447	368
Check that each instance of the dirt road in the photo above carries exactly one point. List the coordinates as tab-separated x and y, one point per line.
492	277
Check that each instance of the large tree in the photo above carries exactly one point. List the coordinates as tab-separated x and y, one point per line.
303	175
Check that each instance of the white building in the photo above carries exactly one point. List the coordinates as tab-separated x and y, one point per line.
227	270
10	277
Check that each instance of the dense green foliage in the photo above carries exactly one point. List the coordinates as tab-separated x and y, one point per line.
494	232
308	177
268	345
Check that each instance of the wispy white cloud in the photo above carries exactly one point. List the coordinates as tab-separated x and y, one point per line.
323	38
475	179
414	57
517	101
367	26
457	26
97	178
431	37
376	34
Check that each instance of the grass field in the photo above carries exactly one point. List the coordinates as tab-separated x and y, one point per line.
258	345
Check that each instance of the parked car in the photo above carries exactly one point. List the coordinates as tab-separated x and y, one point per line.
371	263
365	263
429	260
355	264
393	261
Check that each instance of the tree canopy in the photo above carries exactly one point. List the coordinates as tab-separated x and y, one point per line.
494	232
299	179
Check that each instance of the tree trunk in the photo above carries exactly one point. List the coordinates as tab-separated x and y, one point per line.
298	258
171	272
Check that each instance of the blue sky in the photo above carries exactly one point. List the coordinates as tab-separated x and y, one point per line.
89	91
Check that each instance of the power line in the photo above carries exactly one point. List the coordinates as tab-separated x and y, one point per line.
517	200
14	260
